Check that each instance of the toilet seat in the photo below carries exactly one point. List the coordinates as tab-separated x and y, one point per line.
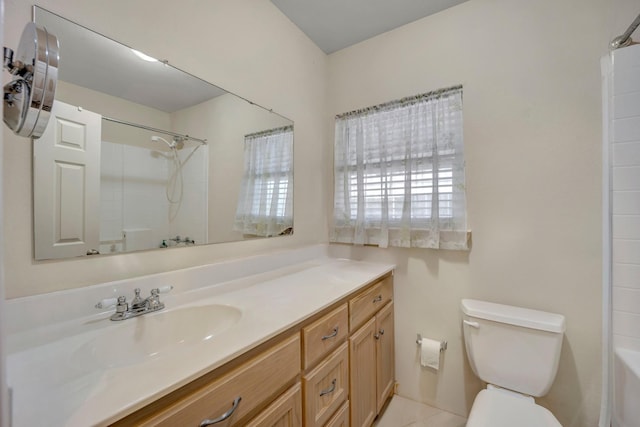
494	408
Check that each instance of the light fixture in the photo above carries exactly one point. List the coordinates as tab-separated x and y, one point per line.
143	56
29	97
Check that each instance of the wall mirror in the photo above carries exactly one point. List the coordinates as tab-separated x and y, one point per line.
140	155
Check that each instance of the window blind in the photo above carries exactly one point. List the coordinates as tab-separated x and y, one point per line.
265	203
399	174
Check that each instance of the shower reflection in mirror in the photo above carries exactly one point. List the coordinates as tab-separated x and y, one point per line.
144	188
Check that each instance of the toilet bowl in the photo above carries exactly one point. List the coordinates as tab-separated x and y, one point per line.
516	351
497	409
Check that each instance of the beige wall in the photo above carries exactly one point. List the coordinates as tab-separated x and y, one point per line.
246	47
532	131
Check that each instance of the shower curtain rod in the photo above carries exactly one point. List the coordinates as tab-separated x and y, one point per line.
166	132
625	39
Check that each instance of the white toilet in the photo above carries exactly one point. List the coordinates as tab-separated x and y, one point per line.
516	351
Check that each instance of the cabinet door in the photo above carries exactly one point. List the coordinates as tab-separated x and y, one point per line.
326	387
341	418
362	375
286	411
385	362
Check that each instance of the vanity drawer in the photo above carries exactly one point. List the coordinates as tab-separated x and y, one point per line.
325	388
341	418
253	382
325	334
286	411
363	306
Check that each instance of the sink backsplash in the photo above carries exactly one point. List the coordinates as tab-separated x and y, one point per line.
39	312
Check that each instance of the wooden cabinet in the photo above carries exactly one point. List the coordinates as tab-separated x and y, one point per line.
362	375
385	355
326	387
371	357
335	369
341	418
367	303
286	411
325	334
245	389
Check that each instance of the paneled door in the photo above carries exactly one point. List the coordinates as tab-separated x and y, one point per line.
66	184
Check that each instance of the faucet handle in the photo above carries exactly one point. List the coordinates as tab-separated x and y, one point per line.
163	289
154	299
122	305
107	303
137	299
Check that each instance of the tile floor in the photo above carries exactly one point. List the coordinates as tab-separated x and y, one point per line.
402	412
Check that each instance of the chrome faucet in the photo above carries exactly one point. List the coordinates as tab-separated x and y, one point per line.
138	305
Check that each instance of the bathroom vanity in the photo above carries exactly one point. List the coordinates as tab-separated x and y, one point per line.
301	374
305	345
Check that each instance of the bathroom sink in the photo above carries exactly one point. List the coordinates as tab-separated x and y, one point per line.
156	334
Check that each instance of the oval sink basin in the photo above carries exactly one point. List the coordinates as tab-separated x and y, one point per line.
152	335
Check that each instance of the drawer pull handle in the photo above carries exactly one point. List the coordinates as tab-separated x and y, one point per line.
224	416
377	299
330	390
331	335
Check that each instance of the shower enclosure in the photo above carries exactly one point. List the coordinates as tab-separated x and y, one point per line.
152	196
621	233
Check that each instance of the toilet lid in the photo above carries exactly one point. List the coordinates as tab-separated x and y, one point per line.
494	408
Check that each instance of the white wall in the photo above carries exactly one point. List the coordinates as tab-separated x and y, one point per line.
247	47
532	131
625	173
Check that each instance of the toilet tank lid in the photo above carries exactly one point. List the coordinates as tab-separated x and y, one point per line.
517	316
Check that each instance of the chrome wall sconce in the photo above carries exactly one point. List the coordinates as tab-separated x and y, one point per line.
28	98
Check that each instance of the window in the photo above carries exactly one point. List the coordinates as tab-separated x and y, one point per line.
265	204
399	174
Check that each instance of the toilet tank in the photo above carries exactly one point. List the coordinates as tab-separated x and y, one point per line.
513	347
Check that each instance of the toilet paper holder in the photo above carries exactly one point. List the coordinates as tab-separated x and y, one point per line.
443	344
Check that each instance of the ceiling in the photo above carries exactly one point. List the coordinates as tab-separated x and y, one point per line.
336	24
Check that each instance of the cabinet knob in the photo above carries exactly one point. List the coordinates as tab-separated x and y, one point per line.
224	416
377	299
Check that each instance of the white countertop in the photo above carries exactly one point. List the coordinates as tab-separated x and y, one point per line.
55	384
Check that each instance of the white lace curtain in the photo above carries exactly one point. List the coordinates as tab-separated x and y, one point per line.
265	203
399	174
